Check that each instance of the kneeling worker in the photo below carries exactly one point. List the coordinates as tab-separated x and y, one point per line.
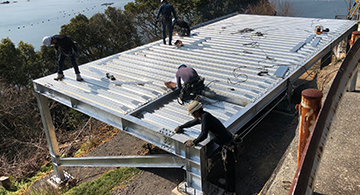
193	83
223	137
182	27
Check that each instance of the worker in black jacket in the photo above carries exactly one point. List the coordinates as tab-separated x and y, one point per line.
224	138
65	47
165	10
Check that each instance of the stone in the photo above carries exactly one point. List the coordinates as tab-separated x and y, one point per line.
5	182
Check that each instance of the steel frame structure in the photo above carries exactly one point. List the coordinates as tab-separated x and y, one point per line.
192	160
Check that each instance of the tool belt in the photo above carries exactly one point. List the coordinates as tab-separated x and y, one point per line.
67	53
166	18
191	90
227	148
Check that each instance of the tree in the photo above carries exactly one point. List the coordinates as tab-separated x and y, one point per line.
122	31
192	11
10	64
144	12
264	7
102	35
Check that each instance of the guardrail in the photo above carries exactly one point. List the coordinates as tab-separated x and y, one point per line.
303	182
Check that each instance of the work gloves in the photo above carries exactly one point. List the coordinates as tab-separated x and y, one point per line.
178	129
189	143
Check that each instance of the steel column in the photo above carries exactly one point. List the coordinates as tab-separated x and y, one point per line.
50	136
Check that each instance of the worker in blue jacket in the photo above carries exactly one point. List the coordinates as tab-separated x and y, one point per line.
166	20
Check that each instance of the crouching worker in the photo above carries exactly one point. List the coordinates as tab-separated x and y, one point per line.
66	48
221	136
193	83
181	27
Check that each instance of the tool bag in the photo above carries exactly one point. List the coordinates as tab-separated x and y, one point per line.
191	90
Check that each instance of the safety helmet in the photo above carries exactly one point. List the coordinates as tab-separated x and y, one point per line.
47	41
193	106
163	1
182	66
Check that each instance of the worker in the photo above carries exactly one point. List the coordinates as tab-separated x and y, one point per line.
193	83
182	26
221	136
166	9
65	47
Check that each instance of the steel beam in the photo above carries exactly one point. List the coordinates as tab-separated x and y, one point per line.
147	161
162	138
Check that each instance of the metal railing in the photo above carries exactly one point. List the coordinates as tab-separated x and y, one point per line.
303	182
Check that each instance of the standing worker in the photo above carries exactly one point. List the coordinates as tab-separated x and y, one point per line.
223	137
166	9
193	83
65	47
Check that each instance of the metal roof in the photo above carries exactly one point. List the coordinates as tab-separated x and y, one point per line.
229	53
248	61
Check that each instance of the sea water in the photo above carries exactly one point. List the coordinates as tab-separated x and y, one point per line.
325	9
31	20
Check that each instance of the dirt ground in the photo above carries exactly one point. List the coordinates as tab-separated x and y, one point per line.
259	155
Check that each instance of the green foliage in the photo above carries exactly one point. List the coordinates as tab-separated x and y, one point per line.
9	62
103	34
106	183
192	11
144	12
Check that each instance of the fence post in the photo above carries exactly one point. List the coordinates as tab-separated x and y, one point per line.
308	110
355	35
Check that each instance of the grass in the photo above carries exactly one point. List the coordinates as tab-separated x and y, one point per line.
103	185
106	183
21	185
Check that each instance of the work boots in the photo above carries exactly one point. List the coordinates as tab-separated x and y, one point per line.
59	77
78	77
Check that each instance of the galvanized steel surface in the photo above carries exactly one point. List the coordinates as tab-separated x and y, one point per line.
230	54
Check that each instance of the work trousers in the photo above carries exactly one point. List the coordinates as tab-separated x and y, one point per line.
63	54
169	26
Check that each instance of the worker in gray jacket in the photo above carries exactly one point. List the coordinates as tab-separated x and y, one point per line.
165	10
193	83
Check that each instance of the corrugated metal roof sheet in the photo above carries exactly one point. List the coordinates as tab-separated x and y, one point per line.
229	53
